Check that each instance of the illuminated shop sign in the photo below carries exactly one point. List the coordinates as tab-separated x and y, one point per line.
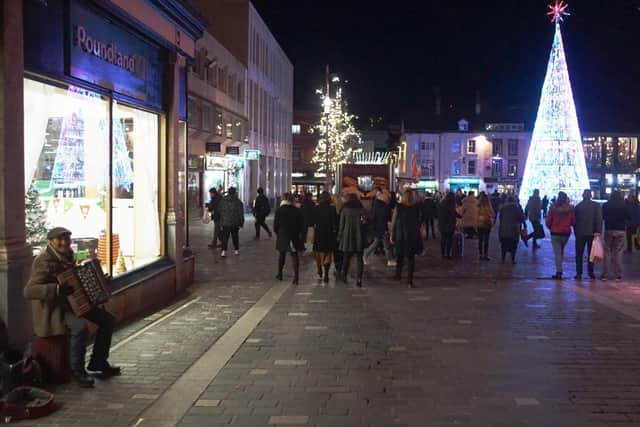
109	52
106	54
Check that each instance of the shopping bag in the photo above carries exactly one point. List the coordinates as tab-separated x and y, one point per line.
597	251
206	217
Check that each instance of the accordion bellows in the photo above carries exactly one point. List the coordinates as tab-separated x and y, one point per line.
89	285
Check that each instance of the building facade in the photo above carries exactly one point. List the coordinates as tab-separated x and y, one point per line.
612	162
269	89
218	123
305	177
96	135
478	161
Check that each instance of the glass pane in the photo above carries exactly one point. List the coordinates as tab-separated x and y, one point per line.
66	140
135	220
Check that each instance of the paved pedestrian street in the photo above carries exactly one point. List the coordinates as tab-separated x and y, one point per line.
472	345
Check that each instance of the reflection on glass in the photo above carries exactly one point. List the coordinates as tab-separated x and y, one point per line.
66	153
136	222
627	151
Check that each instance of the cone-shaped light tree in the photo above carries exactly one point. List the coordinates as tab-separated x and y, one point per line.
337	134
556	159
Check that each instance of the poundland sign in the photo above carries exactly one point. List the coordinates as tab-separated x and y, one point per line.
109	52
105	52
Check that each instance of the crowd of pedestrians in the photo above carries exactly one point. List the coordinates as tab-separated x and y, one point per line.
340	230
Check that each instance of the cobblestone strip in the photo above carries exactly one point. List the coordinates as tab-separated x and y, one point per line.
178	398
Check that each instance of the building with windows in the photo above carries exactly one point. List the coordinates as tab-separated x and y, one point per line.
269	89
305	177
612	162
96	134
218	124
486	161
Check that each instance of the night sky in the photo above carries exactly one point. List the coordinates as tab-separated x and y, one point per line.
395	52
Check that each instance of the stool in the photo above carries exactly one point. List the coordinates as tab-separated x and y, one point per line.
52	353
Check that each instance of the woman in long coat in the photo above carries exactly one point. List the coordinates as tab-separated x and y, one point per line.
351	235
405	233
289	227
447	216
511	219
325	219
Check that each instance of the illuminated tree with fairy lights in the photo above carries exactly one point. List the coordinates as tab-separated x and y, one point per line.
556	159
336	133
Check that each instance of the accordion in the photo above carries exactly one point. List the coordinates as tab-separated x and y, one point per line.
89	285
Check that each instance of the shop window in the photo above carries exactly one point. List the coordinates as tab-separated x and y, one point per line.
66	150
513	168
237	130
497	147
296	129
228	128
512	147
135	217
471	146
608	151
66	142
471	167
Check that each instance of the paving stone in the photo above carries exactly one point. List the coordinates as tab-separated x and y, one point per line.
289	419
526	401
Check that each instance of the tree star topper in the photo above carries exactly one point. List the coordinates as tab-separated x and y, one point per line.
558	11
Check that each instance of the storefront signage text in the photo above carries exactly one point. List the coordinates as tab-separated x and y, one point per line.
108	52
252	154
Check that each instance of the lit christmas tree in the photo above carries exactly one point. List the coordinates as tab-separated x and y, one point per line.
336	133
35	218
556	159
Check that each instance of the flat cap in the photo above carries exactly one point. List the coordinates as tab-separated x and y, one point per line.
57	232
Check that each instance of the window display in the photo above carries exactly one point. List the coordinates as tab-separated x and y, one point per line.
135	220
67	161
66	140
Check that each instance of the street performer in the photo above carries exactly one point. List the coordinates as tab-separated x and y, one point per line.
52	315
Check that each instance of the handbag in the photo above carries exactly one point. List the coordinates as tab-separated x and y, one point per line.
597	251
206	218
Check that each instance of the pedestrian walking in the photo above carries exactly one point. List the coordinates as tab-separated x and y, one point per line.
288	225
325	220
633	223
533	212
469	212
511	218
616	217
545	206
338	255
485	219
307	208
405	233
261	210
232	220
213	206
380	218
447	217
429	215
588	225
351	235
560	219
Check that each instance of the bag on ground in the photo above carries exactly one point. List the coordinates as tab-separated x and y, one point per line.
597	251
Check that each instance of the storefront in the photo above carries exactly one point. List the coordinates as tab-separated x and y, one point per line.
105	140
465	184
224	172
626	183
430	185
308	182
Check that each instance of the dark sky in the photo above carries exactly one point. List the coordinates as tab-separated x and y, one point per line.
395	52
